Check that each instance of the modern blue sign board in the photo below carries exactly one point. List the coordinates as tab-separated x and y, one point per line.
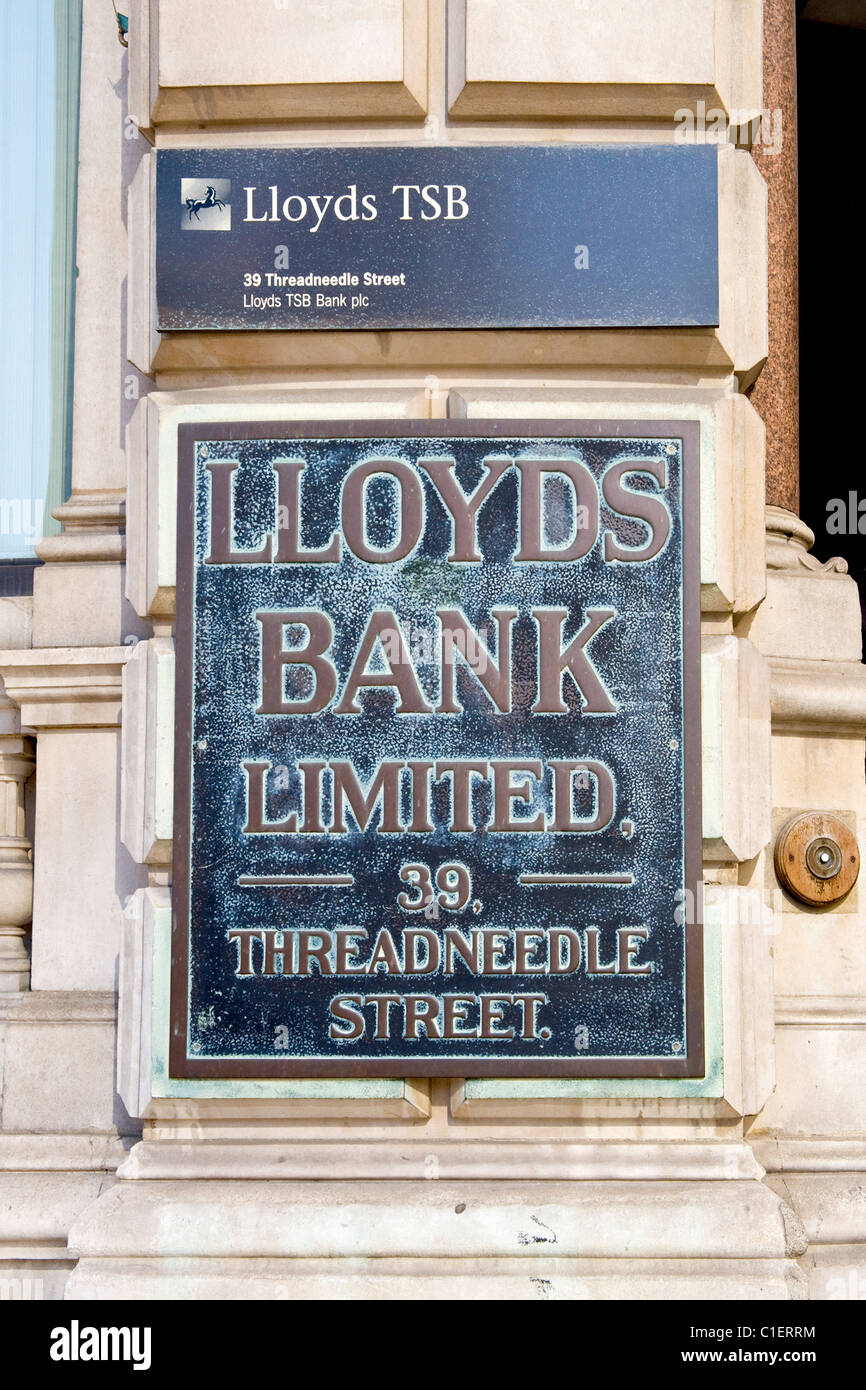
540	236
438	737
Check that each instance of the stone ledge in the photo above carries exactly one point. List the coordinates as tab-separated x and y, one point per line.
818	697
66	1153
59	1006
442	348
542	1100
286	101
445	1160
818	1155
84	547
821	1011
312	1219
66	687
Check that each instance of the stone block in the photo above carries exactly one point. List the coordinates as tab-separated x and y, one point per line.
147	750
820	1083
735	719
135	997
831	1206
743	301
36	1210
81	879
808	615
16	621
81	605
58	1076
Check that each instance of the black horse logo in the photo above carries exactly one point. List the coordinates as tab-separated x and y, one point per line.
210	200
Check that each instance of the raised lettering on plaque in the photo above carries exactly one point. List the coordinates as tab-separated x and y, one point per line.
437	780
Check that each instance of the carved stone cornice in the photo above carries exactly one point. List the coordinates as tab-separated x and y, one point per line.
93	530
66	687
86	547
789	541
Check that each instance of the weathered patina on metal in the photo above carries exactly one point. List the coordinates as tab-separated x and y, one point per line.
438	767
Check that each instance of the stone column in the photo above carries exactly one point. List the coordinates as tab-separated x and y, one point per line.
776	392
78	591
17	761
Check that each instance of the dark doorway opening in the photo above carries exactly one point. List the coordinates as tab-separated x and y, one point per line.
831	70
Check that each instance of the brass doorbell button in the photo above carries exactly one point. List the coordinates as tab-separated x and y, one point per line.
824	857
817	858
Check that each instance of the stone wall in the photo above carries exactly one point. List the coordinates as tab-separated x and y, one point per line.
744	1185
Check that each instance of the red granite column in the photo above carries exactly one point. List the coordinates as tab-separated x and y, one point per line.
776	392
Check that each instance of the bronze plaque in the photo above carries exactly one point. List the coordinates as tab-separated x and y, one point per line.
438	750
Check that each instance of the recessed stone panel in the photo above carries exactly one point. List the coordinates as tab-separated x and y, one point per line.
637	59
197	61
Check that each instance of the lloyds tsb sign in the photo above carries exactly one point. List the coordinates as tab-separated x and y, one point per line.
437	768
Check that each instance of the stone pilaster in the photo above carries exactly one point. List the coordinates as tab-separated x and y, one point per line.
71	697
78	590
